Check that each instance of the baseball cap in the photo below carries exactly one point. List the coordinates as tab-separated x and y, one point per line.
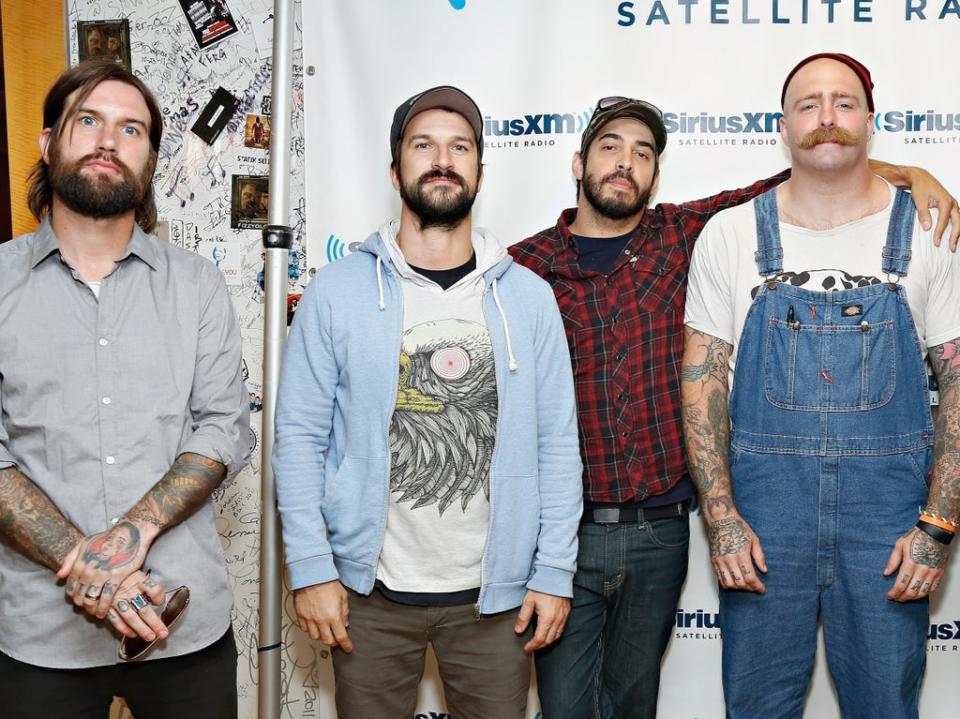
858	68
611	108
445	97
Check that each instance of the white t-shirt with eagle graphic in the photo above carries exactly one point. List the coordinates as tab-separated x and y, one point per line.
442	432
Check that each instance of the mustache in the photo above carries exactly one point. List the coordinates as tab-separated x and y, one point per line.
621	175
839	135
441	174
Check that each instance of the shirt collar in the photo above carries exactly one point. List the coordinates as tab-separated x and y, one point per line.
140	244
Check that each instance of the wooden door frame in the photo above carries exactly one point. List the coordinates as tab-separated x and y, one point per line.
34	54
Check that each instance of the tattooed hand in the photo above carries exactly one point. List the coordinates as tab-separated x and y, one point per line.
128	621
735	550
99	563
921	561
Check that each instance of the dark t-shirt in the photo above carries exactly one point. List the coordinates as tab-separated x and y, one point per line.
448	278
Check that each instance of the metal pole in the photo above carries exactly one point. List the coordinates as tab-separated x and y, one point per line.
277	240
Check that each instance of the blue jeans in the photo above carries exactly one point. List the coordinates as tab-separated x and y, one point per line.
625	594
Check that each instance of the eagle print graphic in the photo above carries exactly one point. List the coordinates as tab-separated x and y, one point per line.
444	423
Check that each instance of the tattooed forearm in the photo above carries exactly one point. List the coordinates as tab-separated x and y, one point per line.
31	524
727	536
706	420
712	358
943	498
178	494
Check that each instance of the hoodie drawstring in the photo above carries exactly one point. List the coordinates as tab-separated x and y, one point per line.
506	328
381	303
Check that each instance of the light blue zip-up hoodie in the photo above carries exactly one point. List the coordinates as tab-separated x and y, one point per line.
336	400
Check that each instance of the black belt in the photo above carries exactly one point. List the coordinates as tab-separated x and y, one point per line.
623	515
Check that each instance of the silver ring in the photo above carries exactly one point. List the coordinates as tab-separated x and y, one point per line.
93	592
139	602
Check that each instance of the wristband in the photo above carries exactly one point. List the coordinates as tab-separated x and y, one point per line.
935	532
936	519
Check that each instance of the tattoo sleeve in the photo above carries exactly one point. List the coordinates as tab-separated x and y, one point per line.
31	523
706	425
943	498
177	495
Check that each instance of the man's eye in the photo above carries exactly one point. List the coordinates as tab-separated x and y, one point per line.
87	121
130	130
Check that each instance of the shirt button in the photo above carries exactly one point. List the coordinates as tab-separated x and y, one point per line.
104	342
620	396
110	460
620	357
114	520
625	434
106	400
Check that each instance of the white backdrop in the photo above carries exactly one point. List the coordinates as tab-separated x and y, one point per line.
714	66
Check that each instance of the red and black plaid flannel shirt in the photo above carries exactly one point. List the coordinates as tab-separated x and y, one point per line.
625	332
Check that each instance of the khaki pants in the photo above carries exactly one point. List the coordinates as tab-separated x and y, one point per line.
484	669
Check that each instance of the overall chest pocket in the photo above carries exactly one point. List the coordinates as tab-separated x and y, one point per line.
829	368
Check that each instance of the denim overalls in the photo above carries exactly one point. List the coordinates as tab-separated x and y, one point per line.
830	447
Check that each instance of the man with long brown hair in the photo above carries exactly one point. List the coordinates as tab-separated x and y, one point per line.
121	409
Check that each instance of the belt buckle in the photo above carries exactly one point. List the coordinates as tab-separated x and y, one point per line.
606	515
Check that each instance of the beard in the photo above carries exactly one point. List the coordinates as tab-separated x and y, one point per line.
98	196
839	135
619	206
444	207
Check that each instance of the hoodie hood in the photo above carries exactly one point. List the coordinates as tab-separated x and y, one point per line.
492	261
492	257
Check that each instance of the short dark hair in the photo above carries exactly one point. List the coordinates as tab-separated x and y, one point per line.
82	79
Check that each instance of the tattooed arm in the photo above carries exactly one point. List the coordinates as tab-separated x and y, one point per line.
31	523
734	548
100	562
921	559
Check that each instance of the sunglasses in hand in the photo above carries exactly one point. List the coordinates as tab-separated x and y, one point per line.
132	648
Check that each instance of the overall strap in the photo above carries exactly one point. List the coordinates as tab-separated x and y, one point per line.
896	251
769	254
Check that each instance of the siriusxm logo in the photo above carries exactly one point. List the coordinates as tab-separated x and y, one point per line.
911	121
540	124
699	619
702	122
945	631
337	248
458	4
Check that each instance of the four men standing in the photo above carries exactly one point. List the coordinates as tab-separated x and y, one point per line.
427	458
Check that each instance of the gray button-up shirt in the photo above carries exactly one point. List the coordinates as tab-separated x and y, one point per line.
97	399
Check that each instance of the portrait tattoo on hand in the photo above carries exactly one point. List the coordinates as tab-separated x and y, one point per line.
112	549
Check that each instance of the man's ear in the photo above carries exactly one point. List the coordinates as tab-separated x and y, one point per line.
394	180
577	167
44	141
